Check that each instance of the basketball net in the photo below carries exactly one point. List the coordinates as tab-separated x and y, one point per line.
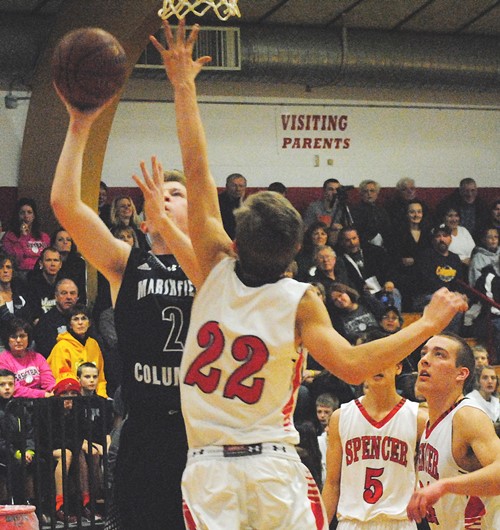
180	8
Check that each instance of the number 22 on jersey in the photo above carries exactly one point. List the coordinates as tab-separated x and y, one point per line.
241	383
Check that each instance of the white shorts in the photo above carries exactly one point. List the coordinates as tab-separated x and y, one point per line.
377	524
264	486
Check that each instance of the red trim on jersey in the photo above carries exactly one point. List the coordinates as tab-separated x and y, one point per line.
289	407
429	428
188	518
383	421
474	511
314	497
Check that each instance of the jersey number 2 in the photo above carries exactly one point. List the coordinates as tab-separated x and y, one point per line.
248	349
174	316
374	489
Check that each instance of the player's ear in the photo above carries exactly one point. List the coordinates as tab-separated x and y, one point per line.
144	227
463	373
399	368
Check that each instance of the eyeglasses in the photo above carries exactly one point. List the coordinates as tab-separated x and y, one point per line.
82	318
21	336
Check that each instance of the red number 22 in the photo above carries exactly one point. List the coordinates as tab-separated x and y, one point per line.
247	348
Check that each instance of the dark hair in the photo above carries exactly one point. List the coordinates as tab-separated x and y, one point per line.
14	325
464	357
308	449
7	373
343	288
330	181
393	309
15	223
45	250
441	229
7	257
307	244
466	180
234	176
53	237
278	187
87	364
494	204
483	232
103	185
79	309
345	229
447	210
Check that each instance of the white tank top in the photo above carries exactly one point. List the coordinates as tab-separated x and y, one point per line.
435	461
378	471
241	371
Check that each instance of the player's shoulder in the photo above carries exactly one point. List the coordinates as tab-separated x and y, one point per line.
471	420
309	301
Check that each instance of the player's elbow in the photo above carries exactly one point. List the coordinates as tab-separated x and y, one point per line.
354	379
57	203
353	373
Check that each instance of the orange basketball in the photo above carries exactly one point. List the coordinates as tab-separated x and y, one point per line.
89	67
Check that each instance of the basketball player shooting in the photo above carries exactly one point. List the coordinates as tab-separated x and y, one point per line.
151	325
246	346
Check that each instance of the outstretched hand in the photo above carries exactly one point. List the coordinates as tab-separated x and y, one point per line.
444	305
178	56
152	190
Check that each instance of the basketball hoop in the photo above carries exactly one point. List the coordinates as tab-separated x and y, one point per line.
180	8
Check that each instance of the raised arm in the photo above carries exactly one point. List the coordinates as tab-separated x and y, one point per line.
94	240
209	239
354	364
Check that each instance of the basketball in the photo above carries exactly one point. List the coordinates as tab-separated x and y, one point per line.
89	67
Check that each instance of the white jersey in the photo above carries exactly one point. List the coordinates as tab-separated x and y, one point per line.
378	471
435	461
492	407
241	370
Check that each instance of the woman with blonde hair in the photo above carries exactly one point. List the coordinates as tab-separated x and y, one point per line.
124	213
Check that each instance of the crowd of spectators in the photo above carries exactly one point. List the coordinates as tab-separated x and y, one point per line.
370	262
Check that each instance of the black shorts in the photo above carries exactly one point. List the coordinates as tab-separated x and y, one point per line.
147	483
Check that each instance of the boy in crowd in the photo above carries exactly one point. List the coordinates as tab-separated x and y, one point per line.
16	442
326	404
96	418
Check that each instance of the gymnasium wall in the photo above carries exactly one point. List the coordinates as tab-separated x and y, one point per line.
300	143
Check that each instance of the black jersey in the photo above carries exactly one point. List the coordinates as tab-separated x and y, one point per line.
152	315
